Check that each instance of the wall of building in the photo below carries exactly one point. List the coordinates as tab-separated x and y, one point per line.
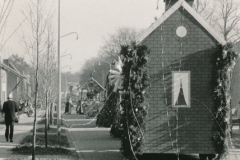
4	86
11	83
192	132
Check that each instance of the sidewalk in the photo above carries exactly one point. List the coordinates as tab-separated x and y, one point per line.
21	130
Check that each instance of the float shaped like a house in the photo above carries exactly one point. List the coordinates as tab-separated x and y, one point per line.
183	46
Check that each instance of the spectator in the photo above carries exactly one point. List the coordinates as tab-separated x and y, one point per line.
10	108
238	116
67	105
79	107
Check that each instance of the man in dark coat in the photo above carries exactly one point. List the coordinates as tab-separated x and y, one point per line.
10	108
67	107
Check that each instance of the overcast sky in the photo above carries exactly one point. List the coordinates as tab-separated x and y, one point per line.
93	20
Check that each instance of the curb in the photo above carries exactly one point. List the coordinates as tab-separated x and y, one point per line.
73	143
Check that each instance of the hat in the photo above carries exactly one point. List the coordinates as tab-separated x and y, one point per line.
10	96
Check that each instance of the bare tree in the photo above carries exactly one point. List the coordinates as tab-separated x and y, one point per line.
48	78
5	10
223	15
112	44
108	53
35	42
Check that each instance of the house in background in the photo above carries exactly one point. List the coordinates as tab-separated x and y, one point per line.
13	81
91	90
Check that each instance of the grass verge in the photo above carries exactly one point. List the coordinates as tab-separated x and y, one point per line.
40	150
53	148
42	121
40	140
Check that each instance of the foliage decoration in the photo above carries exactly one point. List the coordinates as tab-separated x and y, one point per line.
106	116
131	81
109	114
134	99
226	60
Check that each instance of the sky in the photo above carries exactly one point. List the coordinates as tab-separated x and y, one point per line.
93	20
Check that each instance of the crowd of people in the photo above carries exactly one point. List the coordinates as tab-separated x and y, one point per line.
26	107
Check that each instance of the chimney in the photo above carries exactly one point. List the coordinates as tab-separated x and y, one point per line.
170	3
6	62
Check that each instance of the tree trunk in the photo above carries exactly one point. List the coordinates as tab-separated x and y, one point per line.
51	113
46	120
48	124
34	128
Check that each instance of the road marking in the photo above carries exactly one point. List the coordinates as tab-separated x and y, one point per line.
69	120
8	146
88	151
87	129
235	127
110	151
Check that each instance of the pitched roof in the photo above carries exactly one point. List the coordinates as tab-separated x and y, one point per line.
13	67
13	70
91	79
191	11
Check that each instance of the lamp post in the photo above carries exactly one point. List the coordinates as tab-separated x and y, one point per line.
59	76
71	33
110	66
59	80
66	55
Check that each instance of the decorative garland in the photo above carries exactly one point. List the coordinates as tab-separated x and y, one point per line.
226	60
135	99
106	116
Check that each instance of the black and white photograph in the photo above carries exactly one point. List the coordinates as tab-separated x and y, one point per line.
119	79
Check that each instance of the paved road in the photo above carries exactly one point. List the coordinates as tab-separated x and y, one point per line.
94	143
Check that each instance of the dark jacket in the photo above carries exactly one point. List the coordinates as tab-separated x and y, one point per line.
9	108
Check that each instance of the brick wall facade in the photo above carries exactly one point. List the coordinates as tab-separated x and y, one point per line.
194	123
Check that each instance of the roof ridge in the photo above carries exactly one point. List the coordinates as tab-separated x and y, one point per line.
94	81
173	9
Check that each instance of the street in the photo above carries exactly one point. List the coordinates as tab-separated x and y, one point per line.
94	143
90	142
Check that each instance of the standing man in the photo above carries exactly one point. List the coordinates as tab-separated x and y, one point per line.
67	105
10	108
238	116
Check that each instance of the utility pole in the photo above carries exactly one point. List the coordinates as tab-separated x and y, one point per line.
59	81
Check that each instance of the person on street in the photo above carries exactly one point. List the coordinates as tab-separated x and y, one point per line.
30	108
10	108
67	105
85	107
238	116
70	106
79	108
